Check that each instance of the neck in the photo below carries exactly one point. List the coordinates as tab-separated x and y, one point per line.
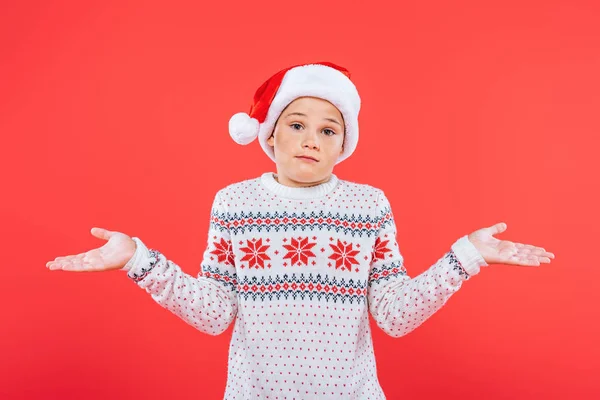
292	183
309	191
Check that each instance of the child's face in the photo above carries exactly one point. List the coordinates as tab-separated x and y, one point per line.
308	126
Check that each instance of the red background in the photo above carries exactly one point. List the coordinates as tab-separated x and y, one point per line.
114	114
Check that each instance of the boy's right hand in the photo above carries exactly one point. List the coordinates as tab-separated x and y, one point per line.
113	255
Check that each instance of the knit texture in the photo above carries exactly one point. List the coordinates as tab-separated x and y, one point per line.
299	270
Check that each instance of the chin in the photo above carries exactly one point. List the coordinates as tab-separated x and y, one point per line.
302	176
306	175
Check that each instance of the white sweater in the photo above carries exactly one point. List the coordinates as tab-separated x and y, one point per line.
299	270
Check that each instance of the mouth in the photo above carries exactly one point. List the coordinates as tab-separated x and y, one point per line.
309	158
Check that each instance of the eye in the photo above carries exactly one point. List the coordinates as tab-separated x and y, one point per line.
330	130
295	124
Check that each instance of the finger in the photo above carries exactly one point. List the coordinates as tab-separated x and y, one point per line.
67	258
497	228
75	264
533	250
66	263
55	265
101	233
541	252
528	263
531	261
525	254
526	246
524	260
80	262
545	260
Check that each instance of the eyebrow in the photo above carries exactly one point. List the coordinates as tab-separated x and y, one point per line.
304	115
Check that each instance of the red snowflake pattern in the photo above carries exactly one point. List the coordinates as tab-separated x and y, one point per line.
223	251
380	249
299	251
255	253
343	255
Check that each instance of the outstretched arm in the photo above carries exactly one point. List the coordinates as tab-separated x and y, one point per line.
399	303
209	301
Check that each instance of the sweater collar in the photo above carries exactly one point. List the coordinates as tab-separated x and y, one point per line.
298	193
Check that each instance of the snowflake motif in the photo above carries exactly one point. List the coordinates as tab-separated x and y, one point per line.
223	251
343	255
299	251
255	253
380	249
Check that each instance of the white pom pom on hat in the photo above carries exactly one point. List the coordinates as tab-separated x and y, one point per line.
324	80
242	128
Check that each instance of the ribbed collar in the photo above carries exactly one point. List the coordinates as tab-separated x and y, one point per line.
298	193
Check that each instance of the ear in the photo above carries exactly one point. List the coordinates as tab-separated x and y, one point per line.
271	139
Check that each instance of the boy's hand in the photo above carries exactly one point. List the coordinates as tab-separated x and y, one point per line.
496	251
113	255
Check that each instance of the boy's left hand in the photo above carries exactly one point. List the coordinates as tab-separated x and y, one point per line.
496	251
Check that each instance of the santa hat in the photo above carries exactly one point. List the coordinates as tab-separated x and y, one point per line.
324	80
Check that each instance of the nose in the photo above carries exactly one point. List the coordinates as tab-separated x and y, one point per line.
311	140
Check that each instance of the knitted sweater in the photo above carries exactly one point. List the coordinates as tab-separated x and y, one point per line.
299	269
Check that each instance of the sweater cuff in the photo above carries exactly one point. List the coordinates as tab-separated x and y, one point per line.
469	257
140	259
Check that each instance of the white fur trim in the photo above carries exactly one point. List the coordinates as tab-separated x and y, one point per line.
320	81
242	128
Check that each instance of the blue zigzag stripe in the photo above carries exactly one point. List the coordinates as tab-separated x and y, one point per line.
224	220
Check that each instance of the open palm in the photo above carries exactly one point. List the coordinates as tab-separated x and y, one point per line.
114	254
497	251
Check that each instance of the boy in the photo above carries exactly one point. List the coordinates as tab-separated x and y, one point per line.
300	258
